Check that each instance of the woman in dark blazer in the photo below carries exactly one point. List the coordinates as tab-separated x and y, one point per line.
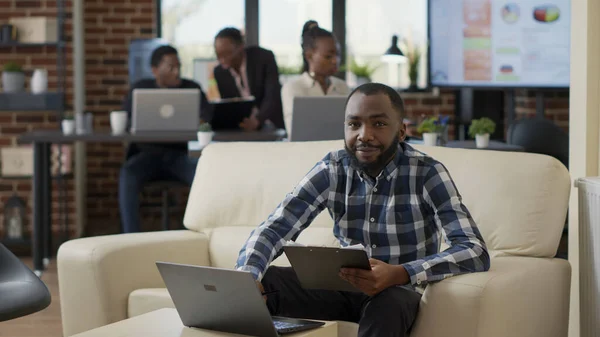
249	71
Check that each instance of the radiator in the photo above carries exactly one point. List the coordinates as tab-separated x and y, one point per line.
589	255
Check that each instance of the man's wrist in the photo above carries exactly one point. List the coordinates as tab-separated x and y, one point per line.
401	275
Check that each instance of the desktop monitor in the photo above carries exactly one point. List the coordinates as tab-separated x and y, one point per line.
499	43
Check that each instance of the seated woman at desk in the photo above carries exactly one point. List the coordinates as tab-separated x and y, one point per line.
321	60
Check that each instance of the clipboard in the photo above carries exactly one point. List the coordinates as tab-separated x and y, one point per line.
228	113
319	267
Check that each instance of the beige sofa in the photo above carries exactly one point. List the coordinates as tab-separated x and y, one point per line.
518	200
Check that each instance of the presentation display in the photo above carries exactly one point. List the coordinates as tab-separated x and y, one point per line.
499	43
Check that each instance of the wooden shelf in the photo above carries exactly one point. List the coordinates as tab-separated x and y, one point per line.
22	44
26	101
16	242
54	177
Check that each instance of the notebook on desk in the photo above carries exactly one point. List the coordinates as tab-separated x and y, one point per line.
228	113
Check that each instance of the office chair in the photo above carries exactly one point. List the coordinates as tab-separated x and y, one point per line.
21	291
541	136
164	186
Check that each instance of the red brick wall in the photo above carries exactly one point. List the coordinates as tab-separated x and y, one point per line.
109	27
556	104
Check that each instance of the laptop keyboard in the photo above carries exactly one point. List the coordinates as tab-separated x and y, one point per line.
286	327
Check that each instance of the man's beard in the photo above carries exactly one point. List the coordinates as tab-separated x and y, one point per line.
373	168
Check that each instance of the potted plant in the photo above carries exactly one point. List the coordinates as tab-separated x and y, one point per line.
68	124
205	134
13	78
481	129
362	72
430	128
414	59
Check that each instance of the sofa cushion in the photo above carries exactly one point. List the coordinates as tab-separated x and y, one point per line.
142	301
244	184
518	200
225	243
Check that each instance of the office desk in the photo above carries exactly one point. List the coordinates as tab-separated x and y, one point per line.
41	243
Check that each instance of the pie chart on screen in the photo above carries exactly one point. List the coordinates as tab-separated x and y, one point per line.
546	13
510	13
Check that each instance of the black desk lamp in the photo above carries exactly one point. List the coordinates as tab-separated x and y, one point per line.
394	54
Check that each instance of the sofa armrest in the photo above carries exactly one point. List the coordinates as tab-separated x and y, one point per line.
97	274
518	296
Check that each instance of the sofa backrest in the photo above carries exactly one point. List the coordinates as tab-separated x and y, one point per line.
518	200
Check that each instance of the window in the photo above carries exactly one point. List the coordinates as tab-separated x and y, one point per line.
280	26
370	26
191	25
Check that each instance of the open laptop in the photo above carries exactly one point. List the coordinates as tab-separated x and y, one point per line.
224	300
165	110
318	118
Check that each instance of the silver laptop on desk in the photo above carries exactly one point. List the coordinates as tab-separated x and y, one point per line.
165	110
224	300
318	118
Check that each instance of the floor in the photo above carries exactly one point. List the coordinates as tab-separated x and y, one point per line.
45	323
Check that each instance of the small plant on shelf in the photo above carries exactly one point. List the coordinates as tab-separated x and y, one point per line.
13	78
431	128
12	67
205	134
430	125
205	127
482	126
480	129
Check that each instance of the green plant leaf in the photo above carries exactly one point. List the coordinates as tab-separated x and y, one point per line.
481	126
13	67
205	127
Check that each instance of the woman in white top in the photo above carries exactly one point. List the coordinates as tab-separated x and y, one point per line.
321	60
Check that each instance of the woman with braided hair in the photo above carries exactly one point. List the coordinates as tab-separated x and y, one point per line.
320	54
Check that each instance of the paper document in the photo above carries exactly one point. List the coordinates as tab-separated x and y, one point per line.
232	100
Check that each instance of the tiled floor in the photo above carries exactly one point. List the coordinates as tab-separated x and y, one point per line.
45	323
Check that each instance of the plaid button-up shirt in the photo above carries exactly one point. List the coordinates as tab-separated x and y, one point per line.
398	217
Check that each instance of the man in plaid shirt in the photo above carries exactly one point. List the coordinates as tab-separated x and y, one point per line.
385	195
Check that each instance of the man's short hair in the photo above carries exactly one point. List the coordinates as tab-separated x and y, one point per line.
231	33
159	53
373	88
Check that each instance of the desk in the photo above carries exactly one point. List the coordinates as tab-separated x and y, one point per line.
166	323
41	244
494	145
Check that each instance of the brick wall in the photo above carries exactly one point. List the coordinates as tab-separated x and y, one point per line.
109	26
556	104
13	124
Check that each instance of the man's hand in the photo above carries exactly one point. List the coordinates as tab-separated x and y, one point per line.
380	277
261	289
250	123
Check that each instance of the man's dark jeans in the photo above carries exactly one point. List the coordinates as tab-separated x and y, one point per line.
144	167
389	313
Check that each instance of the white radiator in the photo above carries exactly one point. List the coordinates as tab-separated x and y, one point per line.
589	255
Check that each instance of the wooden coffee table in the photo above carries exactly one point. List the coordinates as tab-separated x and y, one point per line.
166	323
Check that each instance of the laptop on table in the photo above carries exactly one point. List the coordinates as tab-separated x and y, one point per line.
156	110
224	300
318	118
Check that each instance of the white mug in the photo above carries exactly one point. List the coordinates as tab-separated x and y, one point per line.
68	126
118	122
